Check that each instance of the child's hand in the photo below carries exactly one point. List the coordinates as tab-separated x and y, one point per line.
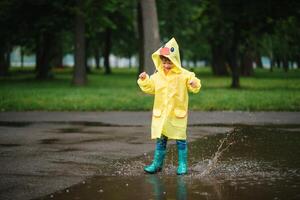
193	84
143	75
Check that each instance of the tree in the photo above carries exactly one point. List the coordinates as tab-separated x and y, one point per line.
125	37
151	37
178	18
7	34
79	75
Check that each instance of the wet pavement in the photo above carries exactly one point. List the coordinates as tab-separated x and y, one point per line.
40	158
257	163
89	159
143	118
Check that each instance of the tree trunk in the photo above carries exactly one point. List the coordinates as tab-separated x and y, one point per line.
219	60
79	75
22	56
44	55
140	38
285	64
97	57
235	83
258	60
151	37
278	63
247	63
298	62
194	63
116	62
129	62
8	58
58	53
107	47
271	64
233	62
87	46
3	62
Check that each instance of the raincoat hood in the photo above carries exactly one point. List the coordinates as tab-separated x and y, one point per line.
171	51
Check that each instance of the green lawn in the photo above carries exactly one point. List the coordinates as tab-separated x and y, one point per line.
119	91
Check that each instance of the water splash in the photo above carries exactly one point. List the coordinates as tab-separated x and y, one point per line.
126	168
225	143
134	167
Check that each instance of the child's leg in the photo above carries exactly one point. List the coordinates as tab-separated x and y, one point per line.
182	156
159	155
161	143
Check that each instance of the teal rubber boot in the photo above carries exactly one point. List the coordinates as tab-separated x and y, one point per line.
182	161
157	163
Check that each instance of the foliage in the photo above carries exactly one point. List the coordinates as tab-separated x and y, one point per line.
119	91
269	28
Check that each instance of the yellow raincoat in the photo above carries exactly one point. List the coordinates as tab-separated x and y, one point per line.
171	94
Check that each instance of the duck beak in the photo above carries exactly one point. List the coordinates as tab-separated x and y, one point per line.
164	51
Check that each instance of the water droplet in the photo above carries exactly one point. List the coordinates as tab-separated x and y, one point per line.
233	183
204	193
100	190
127	184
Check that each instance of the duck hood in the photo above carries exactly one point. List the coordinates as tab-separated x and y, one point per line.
171	51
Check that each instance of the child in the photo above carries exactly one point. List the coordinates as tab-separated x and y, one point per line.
169	120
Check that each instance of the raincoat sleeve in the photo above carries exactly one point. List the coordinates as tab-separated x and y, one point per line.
192	77
147	85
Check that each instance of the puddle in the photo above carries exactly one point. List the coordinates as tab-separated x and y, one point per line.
76	123
15	124
49	141
10	145
69	130
247	163
68	150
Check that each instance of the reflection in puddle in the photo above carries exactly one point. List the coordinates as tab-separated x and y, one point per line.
10	145
49	141
248	163
15	124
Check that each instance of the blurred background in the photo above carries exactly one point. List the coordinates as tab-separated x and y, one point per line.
50	47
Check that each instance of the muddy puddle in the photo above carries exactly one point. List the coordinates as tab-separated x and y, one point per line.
247	163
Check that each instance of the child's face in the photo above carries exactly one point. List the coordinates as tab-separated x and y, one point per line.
167	64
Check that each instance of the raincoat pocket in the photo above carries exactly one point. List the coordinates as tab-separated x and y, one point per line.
156	113
179	120
180	113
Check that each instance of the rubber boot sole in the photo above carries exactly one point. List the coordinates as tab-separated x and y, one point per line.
179	174
154	172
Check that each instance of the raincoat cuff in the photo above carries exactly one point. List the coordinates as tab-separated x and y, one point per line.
144	82
198	85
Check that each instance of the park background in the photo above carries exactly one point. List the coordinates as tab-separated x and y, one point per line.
70	55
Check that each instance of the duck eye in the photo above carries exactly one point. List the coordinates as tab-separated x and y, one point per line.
172	49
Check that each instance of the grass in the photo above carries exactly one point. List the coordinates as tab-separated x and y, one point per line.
265	91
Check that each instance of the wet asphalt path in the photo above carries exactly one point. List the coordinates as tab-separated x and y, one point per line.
42	152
